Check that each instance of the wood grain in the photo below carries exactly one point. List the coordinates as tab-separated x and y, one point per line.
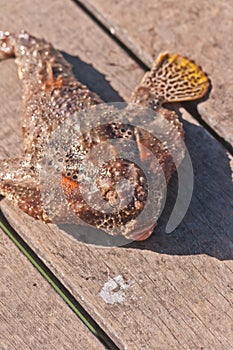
172	291
32	315
198	30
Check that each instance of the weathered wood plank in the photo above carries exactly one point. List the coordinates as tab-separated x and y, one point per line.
173	299
196	29
32	315
171	288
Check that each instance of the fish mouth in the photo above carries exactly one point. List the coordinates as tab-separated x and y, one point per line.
141	235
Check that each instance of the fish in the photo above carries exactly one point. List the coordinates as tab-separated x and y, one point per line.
52	97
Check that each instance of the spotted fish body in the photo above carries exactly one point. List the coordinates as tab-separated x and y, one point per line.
51	95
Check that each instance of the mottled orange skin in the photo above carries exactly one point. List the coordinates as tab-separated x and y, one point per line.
51	94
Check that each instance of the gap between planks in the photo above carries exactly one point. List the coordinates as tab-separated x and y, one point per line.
163	269
95	9
58	287
32	314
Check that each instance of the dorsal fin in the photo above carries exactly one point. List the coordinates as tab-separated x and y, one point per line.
173	78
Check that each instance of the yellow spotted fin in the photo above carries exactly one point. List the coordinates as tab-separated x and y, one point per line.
173	78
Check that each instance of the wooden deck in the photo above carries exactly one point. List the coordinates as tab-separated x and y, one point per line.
173	291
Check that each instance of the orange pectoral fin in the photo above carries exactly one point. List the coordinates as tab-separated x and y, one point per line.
69	185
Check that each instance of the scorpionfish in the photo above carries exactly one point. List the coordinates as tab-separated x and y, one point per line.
52	95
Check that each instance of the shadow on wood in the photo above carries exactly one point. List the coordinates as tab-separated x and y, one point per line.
96	82
207	226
